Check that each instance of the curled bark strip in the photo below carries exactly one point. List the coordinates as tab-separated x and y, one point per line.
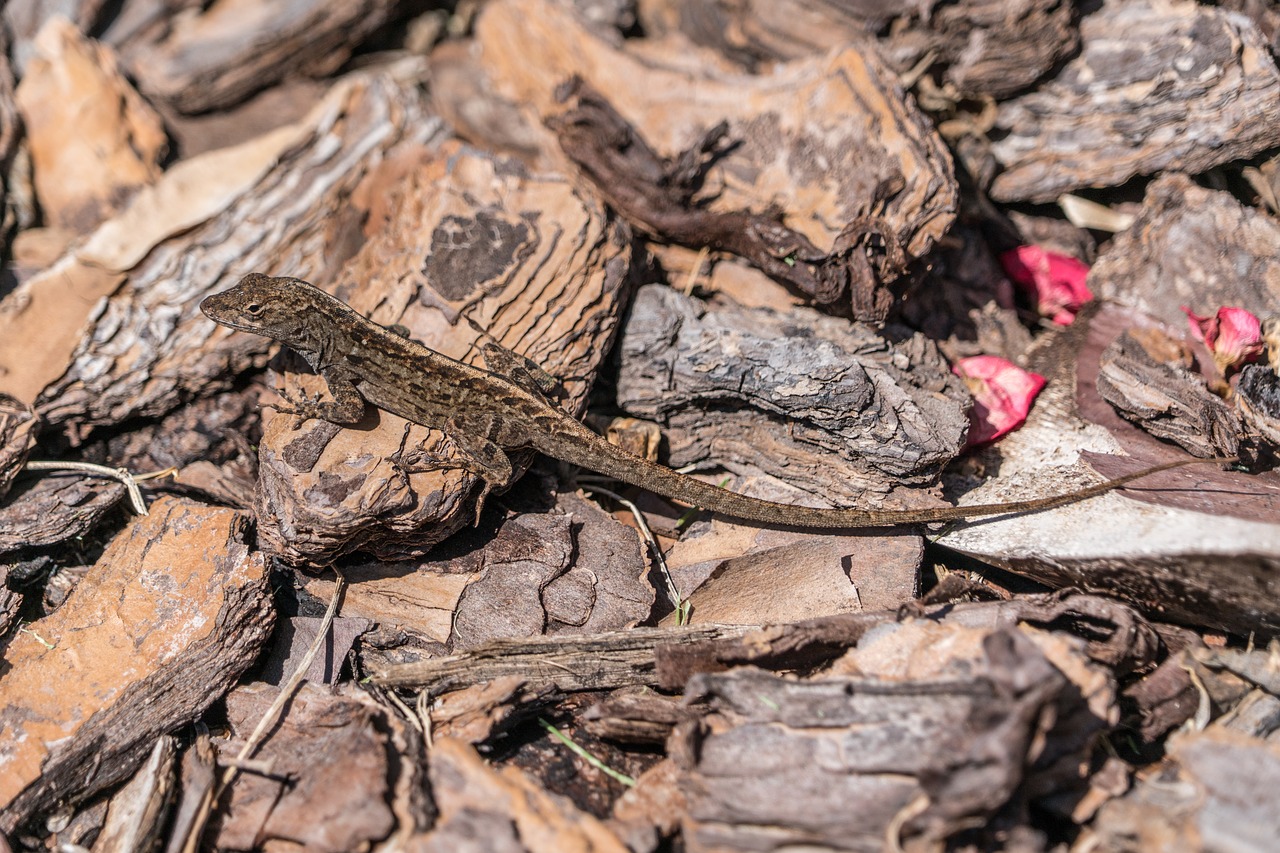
659	196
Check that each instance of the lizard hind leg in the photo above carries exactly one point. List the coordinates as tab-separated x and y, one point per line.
485	459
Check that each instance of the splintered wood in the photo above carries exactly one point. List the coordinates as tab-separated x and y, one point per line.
748	239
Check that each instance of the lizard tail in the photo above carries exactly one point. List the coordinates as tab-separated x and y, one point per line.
589	451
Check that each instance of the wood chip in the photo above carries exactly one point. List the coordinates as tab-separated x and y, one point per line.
1156	85
179	596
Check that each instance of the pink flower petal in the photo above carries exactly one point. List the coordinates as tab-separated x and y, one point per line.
1233	335
1002	395
1056	282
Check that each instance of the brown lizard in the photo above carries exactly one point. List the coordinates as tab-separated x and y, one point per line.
490	412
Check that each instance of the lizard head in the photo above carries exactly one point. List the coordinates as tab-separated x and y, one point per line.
277	307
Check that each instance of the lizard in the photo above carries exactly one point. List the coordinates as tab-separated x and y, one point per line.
491	412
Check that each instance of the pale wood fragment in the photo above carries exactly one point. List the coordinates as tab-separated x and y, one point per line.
168	618
94	141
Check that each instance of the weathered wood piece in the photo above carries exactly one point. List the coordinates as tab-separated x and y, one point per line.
833	408
1156	85
831	141
94	141
1145	374
136	816
474	249
330	777
844	762
53	508
600	662
179	596
202	61
982	48
1163	260
121	308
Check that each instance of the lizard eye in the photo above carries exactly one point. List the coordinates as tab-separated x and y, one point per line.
253	308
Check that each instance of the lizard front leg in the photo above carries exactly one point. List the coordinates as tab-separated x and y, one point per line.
347	406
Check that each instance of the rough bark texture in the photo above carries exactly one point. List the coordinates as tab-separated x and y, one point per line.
1156	86
203	61
182	599
983	48
841	410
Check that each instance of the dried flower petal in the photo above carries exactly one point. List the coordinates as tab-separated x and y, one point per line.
1233	335
1056	282
1002	395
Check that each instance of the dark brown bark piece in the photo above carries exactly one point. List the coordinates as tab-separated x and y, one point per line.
983	48
834	408
179	596
659	195
204	62
502	810
329	779
833	762
54	507
18	429
601	662
1165	398
1155	86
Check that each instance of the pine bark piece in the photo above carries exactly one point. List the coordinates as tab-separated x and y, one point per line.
53	508
475	250
832	140
120	330
330	767
1160	263
18	429
1197	795
1166	399
180	599
219	56
94	141
1157	85
1197	545
599	662
832	408
984	48
486	808
832	762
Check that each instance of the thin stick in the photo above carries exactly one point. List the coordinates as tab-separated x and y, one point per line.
291	686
